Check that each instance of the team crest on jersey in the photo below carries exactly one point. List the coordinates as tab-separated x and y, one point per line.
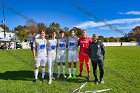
42	46
72	44
53	47
61	45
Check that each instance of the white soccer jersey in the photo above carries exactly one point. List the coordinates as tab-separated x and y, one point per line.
61	51
52	44
41	47
72	47
62	42
72	43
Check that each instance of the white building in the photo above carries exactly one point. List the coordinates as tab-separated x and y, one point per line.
9	35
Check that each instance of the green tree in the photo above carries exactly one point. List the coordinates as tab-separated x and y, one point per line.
41	26
101	38
106	39
78	31
21	32
54	26
67	31
134	35
118	39
6	27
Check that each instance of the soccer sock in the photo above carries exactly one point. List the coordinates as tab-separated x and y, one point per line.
43	72
74	70
58	69
52	69
63	70
81	67
36	73
69	70
88	69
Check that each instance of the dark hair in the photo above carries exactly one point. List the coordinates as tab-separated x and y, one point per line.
53	32
61	32
94	35
42	31
71	30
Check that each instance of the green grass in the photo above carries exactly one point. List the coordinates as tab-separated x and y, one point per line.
122	73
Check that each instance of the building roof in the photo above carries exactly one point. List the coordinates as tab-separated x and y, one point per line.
1	29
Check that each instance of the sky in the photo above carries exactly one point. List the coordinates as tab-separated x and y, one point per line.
123	14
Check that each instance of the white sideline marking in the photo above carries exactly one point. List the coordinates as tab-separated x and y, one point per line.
98	91
78	89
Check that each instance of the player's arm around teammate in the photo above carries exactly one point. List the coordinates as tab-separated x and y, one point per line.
72	53
39	54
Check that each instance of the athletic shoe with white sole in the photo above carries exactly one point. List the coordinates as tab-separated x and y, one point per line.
88	78
53	78
70	76
64	76
96	82
50	81
74	76
35	80
43	80
80	75
102	82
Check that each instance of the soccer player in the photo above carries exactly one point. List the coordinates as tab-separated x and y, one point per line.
83	53
40	55
51	43
61	52
72	52
97	53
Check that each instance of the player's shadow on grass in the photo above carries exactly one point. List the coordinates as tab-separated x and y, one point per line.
17	75
75	80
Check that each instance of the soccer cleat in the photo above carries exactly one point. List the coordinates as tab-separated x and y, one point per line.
50	81
35	81
43	80
88	78
53	78
58	75
64	76
102	81
80	75
74	76
96	81
69	77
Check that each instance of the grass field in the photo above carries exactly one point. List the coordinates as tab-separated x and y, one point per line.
122	73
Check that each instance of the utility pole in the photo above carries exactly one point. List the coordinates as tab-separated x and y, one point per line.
3	8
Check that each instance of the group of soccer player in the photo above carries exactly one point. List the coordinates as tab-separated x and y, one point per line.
55	50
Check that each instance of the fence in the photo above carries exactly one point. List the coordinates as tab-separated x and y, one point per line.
26	45
121	43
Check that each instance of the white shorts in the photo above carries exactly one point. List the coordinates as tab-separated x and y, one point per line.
51	56
61	56
40	61
72	56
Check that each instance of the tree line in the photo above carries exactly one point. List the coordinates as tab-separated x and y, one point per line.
22	32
